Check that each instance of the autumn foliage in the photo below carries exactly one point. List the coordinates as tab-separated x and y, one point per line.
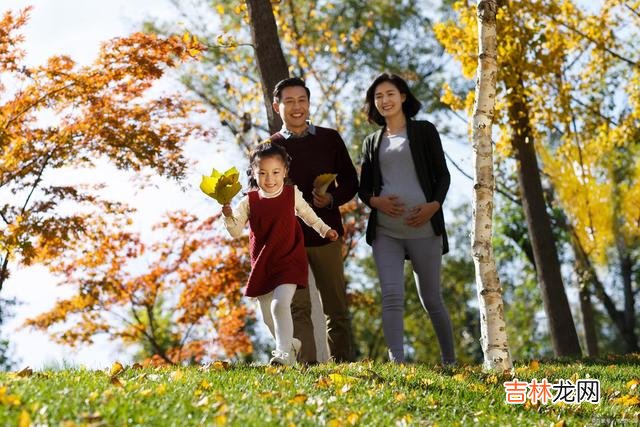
179	295
59	115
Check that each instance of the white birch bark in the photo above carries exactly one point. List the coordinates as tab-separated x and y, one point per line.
492	324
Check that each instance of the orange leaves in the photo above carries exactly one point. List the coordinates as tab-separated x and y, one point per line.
185	303
98	111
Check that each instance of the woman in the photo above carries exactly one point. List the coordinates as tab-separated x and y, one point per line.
404	180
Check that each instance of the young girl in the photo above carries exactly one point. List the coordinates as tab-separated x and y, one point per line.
278	258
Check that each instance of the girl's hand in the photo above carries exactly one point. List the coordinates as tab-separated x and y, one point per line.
226	210
390	205
419	215
332	235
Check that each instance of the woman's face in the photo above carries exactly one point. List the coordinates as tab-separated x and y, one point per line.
388	100
269	173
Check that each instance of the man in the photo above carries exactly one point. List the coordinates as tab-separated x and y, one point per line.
315	151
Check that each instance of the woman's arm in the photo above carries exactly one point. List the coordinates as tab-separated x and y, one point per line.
365	190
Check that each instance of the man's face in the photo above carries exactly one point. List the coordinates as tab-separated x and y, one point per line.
293	108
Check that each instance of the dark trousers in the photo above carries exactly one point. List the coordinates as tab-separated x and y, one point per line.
327	267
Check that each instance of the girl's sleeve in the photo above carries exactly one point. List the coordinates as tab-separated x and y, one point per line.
304	211
235	223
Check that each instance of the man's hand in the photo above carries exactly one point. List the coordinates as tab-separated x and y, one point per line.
390	205
321	200
419	215
332	235
226	210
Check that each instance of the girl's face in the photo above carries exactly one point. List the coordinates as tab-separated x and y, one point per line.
388	100
270	173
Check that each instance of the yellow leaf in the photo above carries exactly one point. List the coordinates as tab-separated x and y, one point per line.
534	365
459	377
116	369
633	384
194	52
353	418
220	420
136	366
560	423
334	423
298	398
24	420
221	186
176	375
146	392
322	182
161	389
399	397
186	37
220	9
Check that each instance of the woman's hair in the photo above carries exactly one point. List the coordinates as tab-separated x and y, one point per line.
410	106
262	151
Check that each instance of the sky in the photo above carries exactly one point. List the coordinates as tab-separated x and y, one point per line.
76	28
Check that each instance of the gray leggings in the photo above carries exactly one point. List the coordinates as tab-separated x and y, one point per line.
426	259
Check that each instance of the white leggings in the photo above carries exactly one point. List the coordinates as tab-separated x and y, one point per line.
276	312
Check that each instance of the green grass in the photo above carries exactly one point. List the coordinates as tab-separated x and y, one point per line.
352	394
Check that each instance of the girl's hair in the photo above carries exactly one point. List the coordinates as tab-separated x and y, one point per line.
410	106
262	151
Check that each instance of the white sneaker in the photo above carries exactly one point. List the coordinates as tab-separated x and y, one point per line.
284	358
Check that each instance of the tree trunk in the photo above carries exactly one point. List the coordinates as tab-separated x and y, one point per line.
272	64
588	320
492	324
561	326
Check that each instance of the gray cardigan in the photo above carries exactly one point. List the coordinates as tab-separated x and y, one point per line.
431	168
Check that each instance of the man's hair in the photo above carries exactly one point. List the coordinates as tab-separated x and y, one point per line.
410	106
290	82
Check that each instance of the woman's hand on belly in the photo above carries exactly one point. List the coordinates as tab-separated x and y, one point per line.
390	205
420	214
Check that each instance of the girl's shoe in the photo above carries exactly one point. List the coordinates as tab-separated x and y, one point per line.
284	358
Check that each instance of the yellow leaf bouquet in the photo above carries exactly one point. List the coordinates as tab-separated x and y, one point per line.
322	182
221	186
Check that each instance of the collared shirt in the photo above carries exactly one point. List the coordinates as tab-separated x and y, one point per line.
286	133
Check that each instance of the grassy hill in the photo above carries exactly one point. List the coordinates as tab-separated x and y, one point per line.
364	393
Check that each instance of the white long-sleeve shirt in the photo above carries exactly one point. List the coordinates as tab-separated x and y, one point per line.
235	223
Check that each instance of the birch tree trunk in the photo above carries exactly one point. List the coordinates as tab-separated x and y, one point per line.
492	324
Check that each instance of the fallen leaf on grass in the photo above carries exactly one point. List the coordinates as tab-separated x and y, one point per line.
534	365
26	372
633	384
176	375
116	369
298	398
627	400
24	420
399	397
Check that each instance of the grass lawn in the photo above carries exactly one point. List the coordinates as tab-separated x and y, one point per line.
364	393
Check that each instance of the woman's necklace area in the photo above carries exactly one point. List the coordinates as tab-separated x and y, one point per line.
396	131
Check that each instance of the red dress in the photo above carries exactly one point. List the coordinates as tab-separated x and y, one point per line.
276	243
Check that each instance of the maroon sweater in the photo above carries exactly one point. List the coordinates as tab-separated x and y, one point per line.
313	155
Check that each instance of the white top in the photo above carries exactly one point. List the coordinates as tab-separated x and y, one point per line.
235	223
